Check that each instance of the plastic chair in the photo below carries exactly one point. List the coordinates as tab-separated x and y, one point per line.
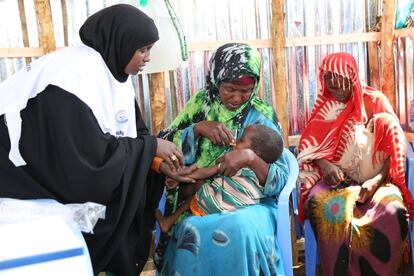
311	248
283	233
298	226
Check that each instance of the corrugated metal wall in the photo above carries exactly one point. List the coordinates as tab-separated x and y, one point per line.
212	20
318	18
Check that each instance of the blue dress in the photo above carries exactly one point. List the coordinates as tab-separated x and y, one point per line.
231	243
242	242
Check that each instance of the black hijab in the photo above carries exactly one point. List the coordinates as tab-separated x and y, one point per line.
116	33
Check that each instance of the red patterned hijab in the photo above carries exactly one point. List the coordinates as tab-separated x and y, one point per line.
326	131
331	120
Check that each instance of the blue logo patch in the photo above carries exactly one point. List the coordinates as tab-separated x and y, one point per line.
121	116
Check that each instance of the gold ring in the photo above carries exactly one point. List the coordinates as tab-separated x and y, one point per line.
173	157
219	165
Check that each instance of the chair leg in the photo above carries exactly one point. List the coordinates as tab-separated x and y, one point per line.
310	250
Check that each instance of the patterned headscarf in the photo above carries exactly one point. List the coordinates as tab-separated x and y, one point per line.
325	125
331	121
230	62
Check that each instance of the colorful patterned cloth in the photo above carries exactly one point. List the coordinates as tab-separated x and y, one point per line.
353	238
255	245
229	62
358	239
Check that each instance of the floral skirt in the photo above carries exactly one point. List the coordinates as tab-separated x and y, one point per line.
354	238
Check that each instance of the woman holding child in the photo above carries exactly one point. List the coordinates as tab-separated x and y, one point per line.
240	242
352	169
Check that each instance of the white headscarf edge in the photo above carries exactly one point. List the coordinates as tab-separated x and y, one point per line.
82	72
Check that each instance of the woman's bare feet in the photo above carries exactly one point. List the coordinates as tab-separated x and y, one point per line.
165	222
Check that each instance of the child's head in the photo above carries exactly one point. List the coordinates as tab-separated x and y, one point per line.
264	141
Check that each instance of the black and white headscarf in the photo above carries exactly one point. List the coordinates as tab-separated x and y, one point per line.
94	72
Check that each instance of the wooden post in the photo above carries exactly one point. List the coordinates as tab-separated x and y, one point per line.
387	51
65	22
373	65
279	77
279	56
157	100
372	25
45	26
23	23
141	102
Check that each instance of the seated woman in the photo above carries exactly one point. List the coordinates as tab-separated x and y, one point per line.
233	243
220	193
351	160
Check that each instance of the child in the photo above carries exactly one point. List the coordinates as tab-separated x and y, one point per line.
223	193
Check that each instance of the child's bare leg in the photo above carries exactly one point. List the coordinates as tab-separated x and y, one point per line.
189	189
167	222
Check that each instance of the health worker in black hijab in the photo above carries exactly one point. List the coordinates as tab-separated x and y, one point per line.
71	130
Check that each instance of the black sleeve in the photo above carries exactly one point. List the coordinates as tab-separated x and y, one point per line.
71	160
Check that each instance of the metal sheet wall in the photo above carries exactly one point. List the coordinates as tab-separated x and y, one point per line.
214	20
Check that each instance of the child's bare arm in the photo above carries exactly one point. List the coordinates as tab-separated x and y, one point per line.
203	173
197	174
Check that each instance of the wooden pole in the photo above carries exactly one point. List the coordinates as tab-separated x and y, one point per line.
141	101
65	21
157	100
45	26
279	77
279	56
373	65
23	23
387	51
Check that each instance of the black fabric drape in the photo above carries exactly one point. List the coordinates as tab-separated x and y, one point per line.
69	159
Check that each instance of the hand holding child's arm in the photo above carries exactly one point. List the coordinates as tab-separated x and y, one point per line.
180	175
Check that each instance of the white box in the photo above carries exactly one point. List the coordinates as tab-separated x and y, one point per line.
45	246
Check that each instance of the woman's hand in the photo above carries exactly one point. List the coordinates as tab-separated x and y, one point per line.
180	175
368	189
231	162
216	132
171	154
332	174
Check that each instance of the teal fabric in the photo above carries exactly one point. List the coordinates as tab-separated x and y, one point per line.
231	243
405	8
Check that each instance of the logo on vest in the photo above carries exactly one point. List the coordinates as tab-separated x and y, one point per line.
120	133
121	116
